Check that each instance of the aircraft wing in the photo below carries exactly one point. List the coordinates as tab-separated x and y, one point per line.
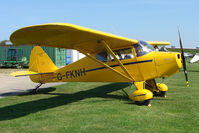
69	36
158	43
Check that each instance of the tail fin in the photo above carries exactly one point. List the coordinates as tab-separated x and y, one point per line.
40	61
39	65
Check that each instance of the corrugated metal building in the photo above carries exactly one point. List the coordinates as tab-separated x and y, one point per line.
58	56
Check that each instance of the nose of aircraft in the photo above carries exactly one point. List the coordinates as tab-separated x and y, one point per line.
167	63
179	60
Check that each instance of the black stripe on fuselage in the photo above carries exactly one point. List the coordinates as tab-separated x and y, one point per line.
130	63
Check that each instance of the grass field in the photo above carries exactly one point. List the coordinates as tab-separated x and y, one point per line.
192	51
103	107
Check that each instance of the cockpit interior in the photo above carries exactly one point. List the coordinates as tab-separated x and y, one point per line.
141	48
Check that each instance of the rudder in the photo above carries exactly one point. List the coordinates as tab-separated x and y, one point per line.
40	62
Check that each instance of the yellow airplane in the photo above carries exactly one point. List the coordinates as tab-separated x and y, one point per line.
109	58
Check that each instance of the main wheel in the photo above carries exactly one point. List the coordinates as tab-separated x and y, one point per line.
160	93
146	102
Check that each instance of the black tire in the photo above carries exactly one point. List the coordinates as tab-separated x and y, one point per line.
140	103
162	93
159	94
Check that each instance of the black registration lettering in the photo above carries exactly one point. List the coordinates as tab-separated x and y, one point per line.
74	73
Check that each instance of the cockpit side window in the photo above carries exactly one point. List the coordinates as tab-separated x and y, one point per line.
143	48
102	56
121	54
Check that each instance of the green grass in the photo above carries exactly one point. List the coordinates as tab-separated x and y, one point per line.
103	107
192	51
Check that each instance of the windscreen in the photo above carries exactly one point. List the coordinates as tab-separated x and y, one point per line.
143	48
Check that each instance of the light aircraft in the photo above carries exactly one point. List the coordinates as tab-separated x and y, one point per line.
195	58
109	58
188	55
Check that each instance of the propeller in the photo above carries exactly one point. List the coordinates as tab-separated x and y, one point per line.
183	60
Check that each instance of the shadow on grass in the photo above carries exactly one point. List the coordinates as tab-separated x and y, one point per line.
26	108
40	91
26	92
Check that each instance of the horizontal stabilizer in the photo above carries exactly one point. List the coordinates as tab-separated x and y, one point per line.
27	73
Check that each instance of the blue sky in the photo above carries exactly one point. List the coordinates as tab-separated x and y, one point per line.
150	20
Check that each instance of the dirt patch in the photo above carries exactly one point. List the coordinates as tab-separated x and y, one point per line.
17	85
8	71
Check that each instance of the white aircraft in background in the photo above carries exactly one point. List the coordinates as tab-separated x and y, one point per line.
195	58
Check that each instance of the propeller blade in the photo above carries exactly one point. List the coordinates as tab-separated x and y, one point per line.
183	60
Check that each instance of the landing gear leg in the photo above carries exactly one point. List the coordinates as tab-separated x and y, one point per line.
131	84
34	91
158	89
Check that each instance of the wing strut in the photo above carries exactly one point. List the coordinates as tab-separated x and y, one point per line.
93	58
116	59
